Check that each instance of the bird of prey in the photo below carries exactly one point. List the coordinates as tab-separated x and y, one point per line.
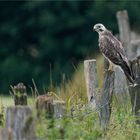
113	51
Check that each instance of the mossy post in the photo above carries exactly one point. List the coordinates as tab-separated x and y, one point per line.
19	94
90	71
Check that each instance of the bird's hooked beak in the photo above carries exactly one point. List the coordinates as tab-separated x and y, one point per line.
99	28
95	28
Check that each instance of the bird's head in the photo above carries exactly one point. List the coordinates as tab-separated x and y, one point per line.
99	27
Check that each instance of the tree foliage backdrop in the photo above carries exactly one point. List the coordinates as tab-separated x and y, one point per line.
36	36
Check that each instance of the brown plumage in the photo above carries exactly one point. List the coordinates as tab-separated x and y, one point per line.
112	50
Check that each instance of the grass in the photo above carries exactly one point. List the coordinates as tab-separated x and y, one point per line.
85	125
8	101
75	89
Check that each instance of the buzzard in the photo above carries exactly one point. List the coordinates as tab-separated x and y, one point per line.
113	51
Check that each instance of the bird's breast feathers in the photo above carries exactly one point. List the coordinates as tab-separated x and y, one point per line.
112	49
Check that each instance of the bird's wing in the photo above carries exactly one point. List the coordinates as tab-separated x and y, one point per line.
112	49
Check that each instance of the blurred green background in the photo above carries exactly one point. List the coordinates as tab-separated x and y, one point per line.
44	40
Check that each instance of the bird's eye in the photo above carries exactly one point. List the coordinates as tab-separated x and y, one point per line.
100	29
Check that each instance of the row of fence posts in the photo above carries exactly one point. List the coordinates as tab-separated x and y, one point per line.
20	123
115	81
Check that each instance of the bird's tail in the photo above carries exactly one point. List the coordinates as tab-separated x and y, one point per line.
128	72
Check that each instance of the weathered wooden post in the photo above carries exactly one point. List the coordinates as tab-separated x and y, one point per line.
124	27
52	108
134	49
19	93
91	81
106	98
135	91
20	122
120	83
58	108
125	33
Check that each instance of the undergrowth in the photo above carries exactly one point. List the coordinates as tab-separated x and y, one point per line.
83	123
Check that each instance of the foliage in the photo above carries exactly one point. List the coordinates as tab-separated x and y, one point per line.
86	126
43	37
85	123
2	119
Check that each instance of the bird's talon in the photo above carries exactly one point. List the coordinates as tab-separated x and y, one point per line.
105	70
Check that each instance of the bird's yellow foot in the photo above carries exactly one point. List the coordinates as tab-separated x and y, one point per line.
110	67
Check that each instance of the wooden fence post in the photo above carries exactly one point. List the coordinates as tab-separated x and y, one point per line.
124	27
135	91
120	83
120	87
20	121
135	49
91	81
19	94
52	108
58	108
106	98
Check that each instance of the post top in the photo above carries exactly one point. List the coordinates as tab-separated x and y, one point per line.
90	60
122	13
